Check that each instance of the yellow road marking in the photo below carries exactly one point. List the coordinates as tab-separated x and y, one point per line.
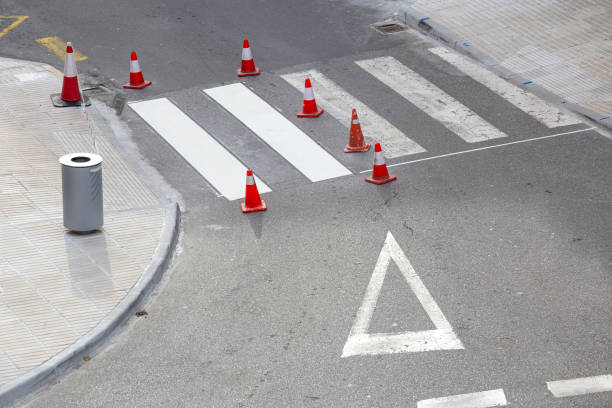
18	20
58	46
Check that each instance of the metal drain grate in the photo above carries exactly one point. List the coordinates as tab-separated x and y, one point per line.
389	27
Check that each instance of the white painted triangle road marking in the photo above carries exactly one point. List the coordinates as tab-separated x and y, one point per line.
360	342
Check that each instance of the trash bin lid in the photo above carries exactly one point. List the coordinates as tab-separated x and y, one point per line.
80	160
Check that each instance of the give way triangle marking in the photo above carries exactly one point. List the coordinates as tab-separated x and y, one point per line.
360	342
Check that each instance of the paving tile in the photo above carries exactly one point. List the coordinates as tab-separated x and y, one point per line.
56	286
571	34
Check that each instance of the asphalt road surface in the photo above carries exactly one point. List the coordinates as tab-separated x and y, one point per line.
484	267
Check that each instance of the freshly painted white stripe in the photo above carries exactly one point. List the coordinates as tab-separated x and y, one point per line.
431	99
339	103
278	132
484	148
580	386
217	165
134	66
360	342
525	101
483	399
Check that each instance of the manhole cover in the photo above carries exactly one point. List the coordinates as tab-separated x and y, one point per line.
390	27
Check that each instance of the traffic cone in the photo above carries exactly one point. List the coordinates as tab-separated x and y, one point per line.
380	174
247	67
310	109
136	79
71	95
356	137
252	201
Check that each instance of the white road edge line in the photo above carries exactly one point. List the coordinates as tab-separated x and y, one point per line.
360	342
580	386
483	399
484	148
432	100
225	173
527	102
278	132
339	103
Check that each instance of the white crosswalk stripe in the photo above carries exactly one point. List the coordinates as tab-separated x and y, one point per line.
278	132
483	399
339	103
580	386
431	99
525	101
218	166
297	152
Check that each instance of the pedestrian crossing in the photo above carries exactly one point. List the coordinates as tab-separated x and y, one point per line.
215	163
338	102
308	147
278	132
528	103
430	99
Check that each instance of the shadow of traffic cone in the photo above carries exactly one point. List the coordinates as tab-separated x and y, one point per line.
247	67
136	79
252	201
355	143
310	109
380	174
71	95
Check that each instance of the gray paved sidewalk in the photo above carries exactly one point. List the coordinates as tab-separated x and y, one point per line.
564	46
56	286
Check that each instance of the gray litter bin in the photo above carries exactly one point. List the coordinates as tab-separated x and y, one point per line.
82	191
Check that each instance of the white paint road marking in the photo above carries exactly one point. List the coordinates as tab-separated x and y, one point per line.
580	386
339	103
484	399
431	99
278	132
483	148
525	101
217	165
360	342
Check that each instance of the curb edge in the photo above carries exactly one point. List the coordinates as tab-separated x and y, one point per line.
22	386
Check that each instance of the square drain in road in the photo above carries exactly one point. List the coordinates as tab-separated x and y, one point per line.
389	27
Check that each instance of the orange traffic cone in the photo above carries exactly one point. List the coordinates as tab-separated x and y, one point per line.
252	201
380	174
356	137
71	95
247	67
310	109
136	79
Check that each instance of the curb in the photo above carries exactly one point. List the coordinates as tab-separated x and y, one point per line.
426	26
20	387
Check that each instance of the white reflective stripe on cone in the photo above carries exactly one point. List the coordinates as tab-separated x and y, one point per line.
134	66
356	122
250	180
379	158
308	94
246	54
70	66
